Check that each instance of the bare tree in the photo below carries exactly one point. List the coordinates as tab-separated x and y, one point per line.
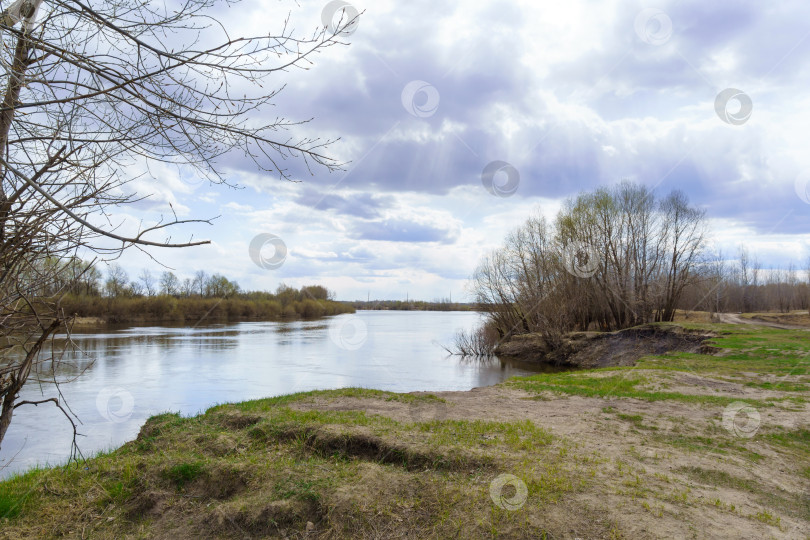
89	278
717	283
745	278
94	95
685	236
805	299
135	288
738	287
117	279
614	258
169	284
147	282
807	270
199	281
187	288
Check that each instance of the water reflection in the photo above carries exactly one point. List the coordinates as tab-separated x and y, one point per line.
131	373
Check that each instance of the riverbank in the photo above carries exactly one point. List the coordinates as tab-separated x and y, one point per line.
94	310
607	349
680	445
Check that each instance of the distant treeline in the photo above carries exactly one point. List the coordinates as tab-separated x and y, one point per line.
413	305
86	292
743	284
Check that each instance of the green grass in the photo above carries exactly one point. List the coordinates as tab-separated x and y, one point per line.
360	393
751	350
183	473
268	468
11	504
624	384
748	355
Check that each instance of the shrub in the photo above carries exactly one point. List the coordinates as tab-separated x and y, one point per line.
311	309
288	303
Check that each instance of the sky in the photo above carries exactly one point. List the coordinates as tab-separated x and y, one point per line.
458	120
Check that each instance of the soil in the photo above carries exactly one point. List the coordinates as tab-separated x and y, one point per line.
598	349
731	318
615	440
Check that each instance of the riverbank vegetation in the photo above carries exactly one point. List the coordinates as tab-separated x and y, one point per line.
203	297
680	445
616	258
84	292
414	305
263	306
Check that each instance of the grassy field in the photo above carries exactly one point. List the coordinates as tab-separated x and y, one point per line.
678	446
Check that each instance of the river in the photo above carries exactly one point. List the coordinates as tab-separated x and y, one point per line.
121	376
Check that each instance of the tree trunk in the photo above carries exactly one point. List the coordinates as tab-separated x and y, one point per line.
18	379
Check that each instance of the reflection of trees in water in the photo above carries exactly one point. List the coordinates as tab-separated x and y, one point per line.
288	328
301	331
110	349
120	345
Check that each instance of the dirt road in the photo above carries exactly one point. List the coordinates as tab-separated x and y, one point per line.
733	318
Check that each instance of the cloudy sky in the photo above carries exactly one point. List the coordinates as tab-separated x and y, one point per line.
707	97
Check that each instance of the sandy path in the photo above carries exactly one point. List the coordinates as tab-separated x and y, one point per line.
732	318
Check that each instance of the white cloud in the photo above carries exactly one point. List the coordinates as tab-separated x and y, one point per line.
564	91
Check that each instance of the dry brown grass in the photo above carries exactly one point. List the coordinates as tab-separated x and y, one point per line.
682	315
797	318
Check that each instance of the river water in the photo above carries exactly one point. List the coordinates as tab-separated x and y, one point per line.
121	376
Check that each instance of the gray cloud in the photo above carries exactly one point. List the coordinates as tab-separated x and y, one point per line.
361	205
401	230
